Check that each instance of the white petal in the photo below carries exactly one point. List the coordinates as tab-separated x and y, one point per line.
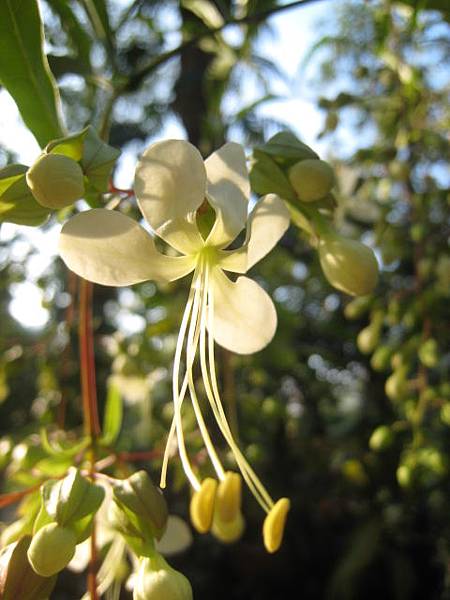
177	537
109	248
245	319
267	223
228	192
170	184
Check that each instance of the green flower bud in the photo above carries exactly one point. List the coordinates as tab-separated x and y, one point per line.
368	339
312	179
428	353
357	307
156	580
396	385
56	180
51	549
349	266
381	438
381	358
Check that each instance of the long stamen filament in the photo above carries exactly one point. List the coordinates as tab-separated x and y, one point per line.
213	396
188	381
177	399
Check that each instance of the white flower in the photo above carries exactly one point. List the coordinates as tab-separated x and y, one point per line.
171	184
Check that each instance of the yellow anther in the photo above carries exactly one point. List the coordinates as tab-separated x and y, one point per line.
274	523
202	505
228	532
228	497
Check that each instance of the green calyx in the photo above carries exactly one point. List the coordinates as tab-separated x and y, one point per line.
56	181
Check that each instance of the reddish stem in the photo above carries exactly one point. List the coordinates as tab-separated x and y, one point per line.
87	362
92	568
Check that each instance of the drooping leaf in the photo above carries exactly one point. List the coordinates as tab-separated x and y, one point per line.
112	421
24	69
266	177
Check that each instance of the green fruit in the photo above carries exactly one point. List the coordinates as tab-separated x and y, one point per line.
311	179
51	549
56	181
348	265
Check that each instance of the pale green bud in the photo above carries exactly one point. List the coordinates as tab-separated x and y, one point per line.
156	580
381	358
349	266
396	385
312	179
51	549
368	339
56	180
428	353
381	438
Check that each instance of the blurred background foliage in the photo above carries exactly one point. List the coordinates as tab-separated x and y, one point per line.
347	412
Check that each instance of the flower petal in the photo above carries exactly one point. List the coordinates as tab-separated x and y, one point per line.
109	248
245	319
170	184
267	223
228	192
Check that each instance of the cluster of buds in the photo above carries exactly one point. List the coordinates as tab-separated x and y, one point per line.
139	513
289	168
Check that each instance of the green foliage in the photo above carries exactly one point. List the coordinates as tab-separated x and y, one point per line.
24	69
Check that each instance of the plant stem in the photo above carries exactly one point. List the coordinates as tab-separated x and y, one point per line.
92	568
87	362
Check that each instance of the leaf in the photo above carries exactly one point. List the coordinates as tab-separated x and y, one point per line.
76	32
17	578
286	145
266	177
17	203
56	450
24	69
112	420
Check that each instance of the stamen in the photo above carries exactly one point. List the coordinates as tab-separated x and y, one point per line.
177	399
191	349
213	396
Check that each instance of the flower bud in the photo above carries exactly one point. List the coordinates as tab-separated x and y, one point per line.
156	580
428	353
312	179
56	180
381	438
396	384
202	505
381	358
51	549
348	265
274	523
367	339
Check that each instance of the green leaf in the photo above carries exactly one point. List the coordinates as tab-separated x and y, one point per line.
18	580
56	450
112	420
286	145
17	203
24	69
266	177
75	31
